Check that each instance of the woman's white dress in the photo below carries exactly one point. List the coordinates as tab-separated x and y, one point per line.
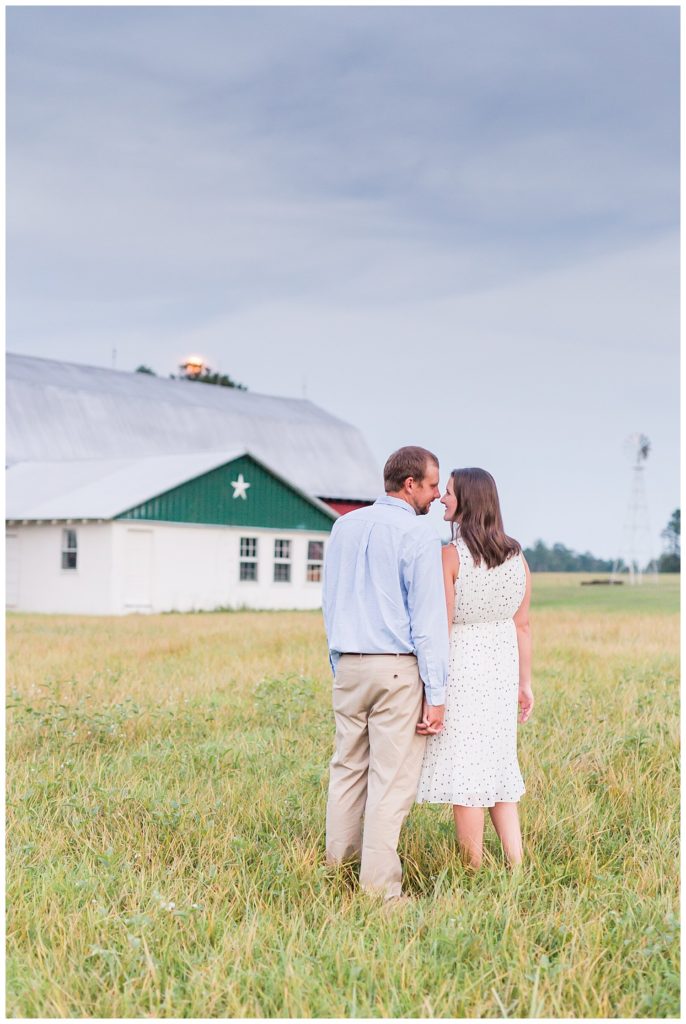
473	761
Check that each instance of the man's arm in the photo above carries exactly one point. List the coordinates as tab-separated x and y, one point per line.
431	721
328	584
427	610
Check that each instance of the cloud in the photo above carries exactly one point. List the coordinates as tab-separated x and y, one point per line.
467	215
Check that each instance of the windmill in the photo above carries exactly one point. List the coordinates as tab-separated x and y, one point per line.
636	550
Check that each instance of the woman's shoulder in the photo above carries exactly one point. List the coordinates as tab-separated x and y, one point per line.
449	554
514	558
515	563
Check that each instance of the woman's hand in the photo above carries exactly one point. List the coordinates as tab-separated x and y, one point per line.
526	702
431	721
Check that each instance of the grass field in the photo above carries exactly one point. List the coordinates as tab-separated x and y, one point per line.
166	792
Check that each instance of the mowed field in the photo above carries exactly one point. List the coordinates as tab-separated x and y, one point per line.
165	828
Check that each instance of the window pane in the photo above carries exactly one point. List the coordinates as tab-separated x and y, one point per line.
314	573
282	572
315	550
69	539
282	549
68	560
248	571
248	547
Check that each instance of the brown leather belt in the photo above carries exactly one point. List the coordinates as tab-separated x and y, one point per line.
378	654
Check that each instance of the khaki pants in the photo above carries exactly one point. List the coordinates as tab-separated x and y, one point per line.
377	701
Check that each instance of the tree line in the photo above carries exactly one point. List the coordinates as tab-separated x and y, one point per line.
199	372
559	558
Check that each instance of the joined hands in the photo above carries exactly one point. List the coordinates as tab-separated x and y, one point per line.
431	721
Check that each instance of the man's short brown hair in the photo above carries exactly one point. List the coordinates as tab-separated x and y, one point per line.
409	461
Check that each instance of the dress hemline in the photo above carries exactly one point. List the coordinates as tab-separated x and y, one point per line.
470	802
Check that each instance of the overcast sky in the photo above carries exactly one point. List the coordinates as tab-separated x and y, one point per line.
456	227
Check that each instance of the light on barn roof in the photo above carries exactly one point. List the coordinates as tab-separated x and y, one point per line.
193	365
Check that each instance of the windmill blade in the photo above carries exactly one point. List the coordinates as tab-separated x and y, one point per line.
644	446
637	447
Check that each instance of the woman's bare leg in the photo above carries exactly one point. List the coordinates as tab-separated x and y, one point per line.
505	818
469	825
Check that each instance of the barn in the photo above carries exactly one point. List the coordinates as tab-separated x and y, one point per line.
132	493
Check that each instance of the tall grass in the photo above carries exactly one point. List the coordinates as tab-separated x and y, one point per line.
166	792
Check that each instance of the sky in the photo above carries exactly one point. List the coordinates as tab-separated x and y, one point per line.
451	226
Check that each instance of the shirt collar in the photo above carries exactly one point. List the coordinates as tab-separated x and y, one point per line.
386	499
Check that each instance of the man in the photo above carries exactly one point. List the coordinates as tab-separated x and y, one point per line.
386	624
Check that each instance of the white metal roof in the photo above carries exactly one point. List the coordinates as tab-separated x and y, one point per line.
103	488
64	411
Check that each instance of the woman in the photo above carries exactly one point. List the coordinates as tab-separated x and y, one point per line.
472	762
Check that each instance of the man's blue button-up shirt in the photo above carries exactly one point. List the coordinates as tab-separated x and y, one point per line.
383	590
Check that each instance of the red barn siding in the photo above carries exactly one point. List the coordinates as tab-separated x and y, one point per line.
345	506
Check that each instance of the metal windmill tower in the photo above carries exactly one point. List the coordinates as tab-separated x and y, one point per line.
637	547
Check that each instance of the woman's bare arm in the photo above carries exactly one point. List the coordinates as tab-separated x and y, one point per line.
451	570
521	621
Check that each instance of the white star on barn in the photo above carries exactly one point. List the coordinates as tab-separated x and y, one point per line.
240	487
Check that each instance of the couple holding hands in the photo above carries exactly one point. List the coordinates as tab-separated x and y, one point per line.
431	653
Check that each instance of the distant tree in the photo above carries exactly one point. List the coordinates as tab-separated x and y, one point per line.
537	556
672	533
670	560
222	379
145	369
559	558
195	371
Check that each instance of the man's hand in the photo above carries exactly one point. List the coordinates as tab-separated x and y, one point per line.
526	702
432	719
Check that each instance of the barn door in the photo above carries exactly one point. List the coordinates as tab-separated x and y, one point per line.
11	570
138	569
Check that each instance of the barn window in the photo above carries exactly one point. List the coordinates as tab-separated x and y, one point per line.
282	561
248	563
68	549
315	559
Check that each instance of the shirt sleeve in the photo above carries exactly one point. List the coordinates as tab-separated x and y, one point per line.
327	595
423	572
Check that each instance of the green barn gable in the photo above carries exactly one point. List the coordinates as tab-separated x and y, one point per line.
242	492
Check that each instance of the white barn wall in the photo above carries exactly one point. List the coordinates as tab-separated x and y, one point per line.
126	566
42	585
197	568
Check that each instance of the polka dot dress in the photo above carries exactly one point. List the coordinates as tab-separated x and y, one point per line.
473	761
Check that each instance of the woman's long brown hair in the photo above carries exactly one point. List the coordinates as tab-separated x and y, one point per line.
478	520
